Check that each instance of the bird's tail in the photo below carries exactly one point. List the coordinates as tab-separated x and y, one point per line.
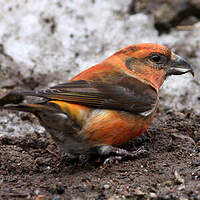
12	101
31	108
24	108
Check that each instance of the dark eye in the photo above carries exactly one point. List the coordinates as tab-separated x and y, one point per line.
156	58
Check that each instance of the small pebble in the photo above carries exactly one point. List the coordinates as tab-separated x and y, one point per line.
179	115
181	187
138	192
152	195
106	186
178	178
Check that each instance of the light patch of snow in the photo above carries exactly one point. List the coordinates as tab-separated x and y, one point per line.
12	126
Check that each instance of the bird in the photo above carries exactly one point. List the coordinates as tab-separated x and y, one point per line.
109	103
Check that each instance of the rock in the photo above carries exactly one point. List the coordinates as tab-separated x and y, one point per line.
106	186
168	14
178	179
152	195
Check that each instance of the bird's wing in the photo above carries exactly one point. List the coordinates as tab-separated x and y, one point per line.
128	94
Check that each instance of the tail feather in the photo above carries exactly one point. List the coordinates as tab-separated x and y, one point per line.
16	97
31	108
12	97
24	108
30	93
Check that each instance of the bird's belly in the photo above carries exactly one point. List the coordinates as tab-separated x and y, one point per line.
108	127
69	143
81	128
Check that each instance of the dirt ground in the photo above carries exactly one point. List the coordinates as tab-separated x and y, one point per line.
33	168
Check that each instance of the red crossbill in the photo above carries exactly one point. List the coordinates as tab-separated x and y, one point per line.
109	103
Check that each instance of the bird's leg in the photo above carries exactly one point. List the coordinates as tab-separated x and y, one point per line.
119	153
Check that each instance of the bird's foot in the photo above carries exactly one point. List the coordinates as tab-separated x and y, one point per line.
120	154
112	159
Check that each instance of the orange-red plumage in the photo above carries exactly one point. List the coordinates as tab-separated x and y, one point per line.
113	66
109	103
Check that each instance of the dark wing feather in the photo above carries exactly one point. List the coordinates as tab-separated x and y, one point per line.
128	94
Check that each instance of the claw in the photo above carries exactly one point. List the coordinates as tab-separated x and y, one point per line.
120	153
140	152
112	159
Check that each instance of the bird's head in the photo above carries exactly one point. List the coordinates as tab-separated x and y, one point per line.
151	63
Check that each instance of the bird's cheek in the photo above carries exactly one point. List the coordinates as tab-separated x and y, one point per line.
139	68
134	65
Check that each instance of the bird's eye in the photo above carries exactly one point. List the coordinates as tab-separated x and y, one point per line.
156	58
